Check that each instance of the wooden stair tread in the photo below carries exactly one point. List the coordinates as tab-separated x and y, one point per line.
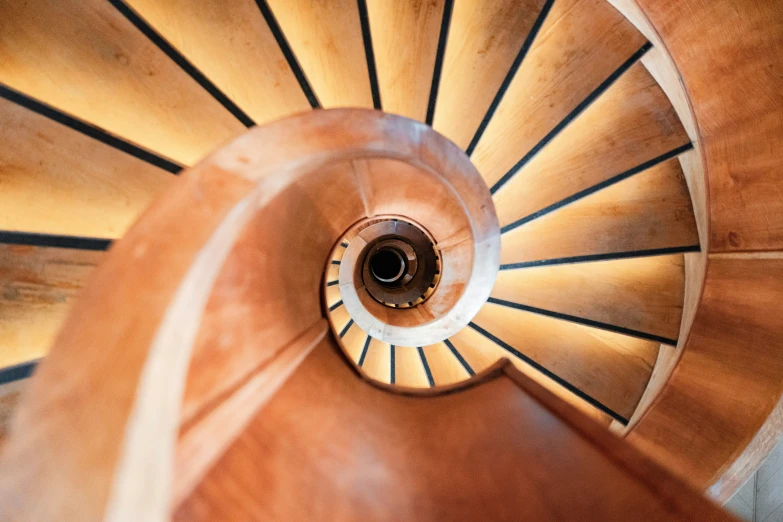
445	367
234	47
643	294
650	210
581	43
326	38
86	59
409	370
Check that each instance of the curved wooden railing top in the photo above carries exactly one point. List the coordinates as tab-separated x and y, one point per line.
719	414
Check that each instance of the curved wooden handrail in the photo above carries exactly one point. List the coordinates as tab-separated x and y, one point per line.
719	414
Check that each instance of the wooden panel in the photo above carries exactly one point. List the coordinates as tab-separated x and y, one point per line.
58	181
481	353
632	123
649	210
377	363
580	45
37	287
353	342
484	39
730	376
86	59
611	368
232	45
339	318
729	61
360	453
643	294
668	356
405	39
445	367
326	38
409	371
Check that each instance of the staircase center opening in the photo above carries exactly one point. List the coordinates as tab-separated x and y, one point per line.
387	265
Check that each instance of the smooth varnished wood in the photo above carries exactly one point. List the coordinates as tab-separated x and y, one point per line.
408	368
629	125
405	40
385	456
326	38
612	368
88	60
444	365
232	45
58	181
642	294
38	286
581	44
484	40
649	210
377	363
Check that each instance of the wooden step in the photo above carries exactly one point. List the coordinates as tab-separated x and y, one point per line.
59	181
582	44
232	45
405	37
444	364
484	45
611	368
85	58
648	211
327	40
627	129
409	369
639	296
39	285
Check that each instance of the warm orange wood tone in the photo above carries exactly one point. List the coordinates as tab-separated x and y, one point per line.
58	181
10	394
377	363
729	377
37	289
484	39
445	367
84	58
580	45
384	456
405	39
643	294
612	368
668	356
232	45
630	124
408	369
326	38
649	210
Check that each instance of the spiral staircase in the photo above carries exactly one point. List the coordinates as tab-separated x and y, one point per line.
598	205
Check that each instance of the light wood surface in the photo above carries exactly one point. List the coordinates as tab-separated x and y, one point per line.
630	124
405	40
88	60
326	38
231	44
649	210
58	181
385	456
377	363
580	45
408	369
445	367
611	368
643	294
38	286
484	39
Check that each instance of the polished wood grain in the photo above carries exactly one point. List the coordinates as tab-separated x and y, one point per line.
484	39
232	45
389	457
326	38
630	124
643	294
408	368
445	367
580	45
405	40
58	181
611	368
728	380
88	60
38	286
377	363
649	210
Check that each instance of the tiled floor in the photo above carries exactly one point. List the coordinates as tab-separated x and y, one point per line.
761	499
